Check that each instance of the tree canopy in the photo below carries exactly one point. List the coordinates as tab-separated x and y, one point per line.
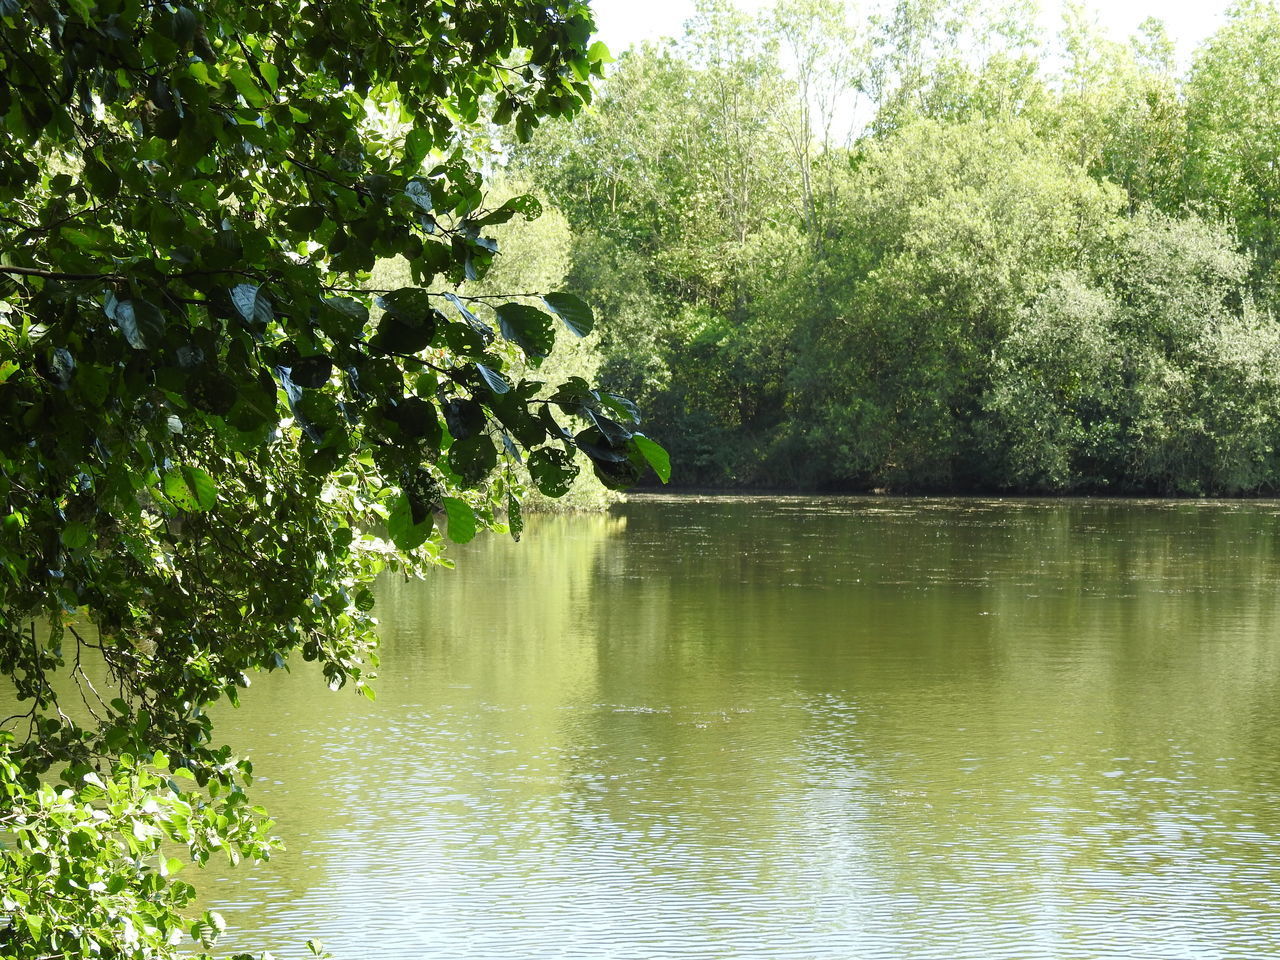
925	245
213	432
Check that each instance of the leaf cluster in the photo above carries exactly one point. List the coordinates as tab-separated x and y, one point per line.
213	435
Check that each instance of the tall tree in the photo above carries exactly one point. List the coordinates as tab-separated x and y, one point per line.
828	60
1144	150
1233	117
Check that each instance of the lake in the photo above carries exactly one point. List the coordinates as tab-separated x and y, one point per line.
794	728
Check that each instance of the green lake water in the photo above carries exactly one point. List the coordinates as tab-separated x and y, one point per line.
795	728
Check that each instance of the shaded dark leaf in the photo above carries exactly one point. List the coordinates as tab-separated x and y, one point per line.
509	445
140	321
472	458
515	518
252	304
618	475
189	356
596	445
527	327
464	417
614	432
311	372
60	368
213	392
553	426
420	194
398	337
552	471
573	312
416	418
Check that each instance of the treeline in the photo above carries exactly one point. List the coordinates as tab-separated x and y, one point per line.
935	250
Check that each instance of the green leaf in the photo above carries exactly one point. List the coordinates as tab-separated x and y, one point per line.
85	9
417	144
623	407
525	125
474	322
404	533
506	107
208	928
654	455
189	488
84	239
74	535
270	74
462	520
526	205
153	148
247	87
7	369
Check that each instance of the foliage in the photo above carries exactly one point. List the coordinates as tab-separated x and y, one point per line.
208	423
1233	124
952	228
1053	390
532	255
1034	264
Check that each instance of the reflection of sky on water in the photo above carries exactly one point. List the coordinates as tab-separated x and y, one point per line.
796	728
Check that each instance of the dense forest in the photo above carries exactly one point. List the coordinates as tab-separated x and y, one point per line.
934	249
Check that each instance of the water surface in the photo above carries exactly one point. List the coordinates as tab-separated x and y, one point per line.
795	728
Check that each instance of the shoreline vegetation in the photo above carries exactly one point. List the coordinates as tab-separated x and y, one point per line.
641	494
927	248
